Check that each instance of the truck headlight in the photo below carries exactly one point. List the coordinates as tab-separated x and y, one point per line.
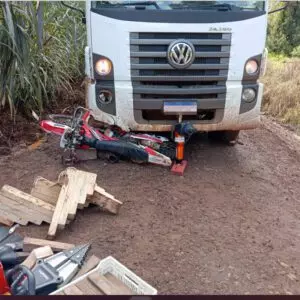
103	66
248	95
251	67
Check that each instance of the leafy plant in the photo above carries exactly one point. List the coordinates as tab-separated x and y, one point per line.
41	50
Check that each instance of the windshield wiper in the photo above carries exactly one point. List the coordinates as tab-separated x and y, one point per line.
226	7
141	4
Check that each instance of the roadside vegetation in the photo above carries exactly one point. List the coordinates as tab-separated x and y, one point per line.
282	79
41	53
282	89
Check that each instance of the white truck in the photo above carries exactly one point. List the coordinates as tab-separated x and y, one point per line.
149	62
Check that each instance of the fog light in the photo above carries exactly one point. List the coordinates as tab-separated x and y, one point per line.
103	66
105	97
248	95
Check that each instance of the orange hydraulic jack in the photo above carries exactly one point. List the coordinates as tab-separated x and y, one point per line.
180	164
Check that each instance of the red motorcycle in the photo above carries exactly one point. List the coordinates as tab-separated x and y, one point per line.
109	141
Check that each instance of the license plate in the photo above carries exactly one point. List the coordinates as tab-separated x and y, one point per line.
180	107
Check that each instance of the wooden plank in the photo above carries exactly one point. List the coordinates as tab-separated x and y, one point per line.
91	180
5	221
31	243
20	209
46	190
9	190
77	194
18	212
73	290
43	209
37	254
105	200
88	288
61	293
103	284
70	198
60	205
92	263
12	215
121	286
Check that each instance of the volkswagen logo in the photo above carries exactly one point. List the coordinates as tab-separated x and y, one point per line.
181	54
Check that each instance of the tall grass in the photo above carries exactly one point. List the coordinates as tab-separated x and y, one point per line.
282	90
41	50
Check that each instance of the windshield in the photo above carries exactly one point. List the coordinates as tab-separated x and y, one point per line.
183	5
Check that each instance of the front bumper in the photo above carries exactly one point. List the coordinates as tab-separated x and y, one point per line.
230	113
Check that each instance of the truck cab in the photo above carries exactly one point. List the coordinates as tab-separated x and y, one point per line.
150	62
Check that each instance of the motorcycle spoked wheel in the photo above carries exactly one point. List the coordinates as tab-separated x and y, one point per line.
70	159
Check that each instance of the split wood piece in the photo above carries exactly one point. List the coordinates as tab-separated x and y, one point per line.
105	200
73	290
30	244
85	184
11	213
87	287
103	284
61	293
61	205
121	286
46	190
37	254
69	201
42	210
92	263
17	213
6	222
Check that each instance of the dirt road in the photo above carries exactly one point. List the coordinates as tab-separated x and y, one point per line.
230	225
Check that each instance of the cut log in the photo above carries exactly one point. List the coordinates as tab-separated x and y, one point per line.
37	254
92	263
31	243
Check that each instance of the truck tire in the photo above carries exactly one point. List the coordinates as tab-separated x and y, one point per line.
229	137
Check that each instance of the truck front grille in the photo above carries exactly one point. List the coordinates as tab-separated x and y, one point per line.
154	78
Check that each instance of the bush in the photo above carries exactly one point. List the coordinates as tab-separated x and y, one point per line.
41	50
284	30
282	90
296	52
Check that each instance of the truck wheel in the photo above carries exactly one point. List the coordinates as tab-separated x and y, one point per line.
228	137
